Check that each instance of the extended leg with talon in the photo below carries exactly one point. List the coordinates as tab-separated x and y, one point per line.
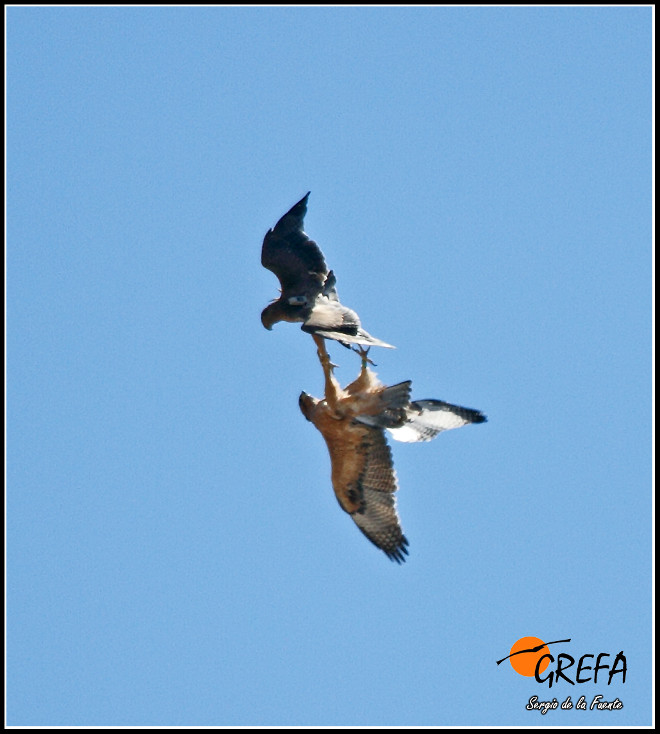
362	352
366	378
322	352
331	385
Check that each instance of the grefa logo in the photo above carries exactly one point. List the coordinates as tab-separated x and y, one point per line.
531	657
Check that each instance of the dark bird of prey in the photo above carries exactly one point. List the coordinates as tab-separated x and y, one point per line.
353	421
308	291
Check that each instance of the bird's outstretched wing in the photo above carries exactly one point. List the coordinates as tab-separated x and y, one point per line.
365	484
296	260
423	420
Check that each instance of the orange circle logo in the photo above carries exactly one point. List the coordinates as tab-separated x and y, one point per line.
525	655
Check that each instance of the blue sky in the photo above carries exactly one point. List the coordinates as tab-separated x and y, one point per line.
481	184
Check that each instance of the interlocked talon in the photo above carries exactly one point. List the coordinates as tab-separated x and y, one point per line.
362	352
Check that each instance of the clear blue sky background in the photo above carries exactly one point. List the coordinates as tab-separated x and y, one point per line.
481	184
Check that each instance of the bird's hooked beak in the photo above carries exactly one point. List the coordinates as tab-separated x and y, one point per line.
269	317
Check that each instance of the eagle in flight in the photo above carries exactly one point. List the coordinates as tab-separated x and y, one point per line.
308	288
353	421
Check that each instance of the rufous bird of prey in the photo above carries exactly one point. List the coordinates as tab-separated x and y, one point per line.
308	291
353	421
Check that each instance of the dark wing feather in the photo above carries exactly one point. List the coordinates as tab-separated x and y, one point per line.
392	408
376	515
296	260
330	287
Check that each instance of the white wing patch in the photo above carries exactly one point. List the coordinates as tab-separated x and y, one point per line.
425	419
297	301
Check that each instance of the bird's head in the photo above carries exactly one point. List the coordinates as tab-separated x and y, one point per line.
307	405
293	311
